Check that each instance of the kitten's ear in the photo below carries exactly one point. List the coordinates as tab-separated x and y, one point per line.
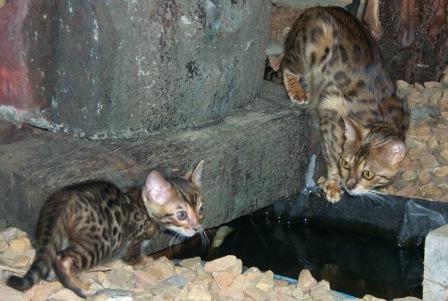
157	189
195	175
275	61
396	150
353	131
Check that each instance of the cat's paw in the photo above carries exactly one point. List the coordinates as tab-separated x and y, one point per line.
333	191
299	97
91	289
296	92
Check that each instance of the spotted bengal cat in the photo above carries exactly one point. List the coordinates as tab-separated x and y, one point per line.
331	60
93	222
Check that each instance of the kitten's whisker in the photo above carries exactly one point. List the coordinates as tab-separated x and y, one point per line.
205	242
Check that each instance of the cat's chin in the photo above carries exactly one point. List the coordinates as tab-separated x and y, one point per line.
183	232
357	192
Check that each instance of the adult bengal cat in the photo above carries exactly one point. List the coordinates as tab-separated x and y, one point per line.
331	61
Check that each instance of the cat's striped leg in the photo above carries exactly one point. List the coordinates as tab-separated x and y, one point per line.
332	134
134	255
68	265
295	90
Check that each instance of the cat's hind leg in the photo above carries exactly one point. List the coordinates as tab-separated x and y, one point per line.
68	266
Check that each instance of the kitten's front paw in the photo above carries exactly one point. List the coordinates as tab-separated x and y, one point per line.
333	190
92	288
298	95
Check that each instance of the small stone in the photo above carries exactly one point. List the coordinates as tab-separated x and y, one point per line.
408	191
17	260
223	278
280	283
191	263
144	280
431	84
306	281
163	289
416	153
296	292
321	290
232	293
436	97
64	295
371	298
409	175
11	294
143	296
424	176
3	245
444	154
12	233
227	263
42	290
441	171
254	293
162	268
445	76
419	87
203	279
431	191
21	244
432	142
278	296
177	281
121	277
198	293
429	160
266	282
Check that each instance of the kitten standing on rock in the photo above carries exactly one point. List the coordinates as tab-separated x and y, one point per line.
331	60
86	224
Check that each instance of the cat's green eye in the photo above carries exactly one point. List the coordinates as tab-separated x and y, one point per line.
368	175
181	215
345	164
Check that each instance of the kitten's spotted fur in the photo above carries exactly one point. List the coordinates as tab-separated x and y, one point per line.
331	60
90	223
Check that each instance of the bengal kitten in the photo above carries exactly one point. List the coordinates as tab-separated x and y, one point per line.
331	59
86	224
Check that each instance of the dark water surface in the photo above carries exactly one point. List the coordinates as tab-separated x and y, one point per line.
353	263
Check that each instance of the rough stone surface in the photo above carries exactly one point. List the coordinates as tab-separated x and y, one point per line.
435	275
130	68
252	159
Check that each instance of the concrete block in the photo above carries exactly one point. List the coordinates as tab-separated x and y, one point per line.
253	158
435	277
129	68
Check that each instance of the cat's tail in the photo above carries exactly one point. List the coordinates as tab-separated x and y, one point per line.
40	269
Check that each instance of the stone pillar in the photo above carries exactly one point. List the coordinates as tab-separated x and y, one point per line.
129	68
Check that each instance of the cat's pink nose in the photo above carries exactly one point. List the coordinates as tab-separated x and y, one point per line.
351	184
195	226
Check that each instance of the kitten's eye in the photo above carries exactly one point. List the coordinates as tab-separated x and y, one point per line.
345	164
368	175
201	209
181	215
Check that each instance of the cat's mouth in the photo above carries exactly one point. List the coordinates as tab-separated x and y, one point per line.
181	231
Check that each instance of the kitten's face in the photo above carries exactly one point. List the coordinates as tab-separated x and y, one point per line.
176	203
364	168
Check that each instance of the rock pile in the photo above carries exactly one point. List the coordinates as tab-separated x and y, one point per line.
425	169
161	279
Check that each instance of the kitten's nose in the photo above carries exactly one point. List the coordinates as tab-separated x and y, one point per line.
351	183
195	226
